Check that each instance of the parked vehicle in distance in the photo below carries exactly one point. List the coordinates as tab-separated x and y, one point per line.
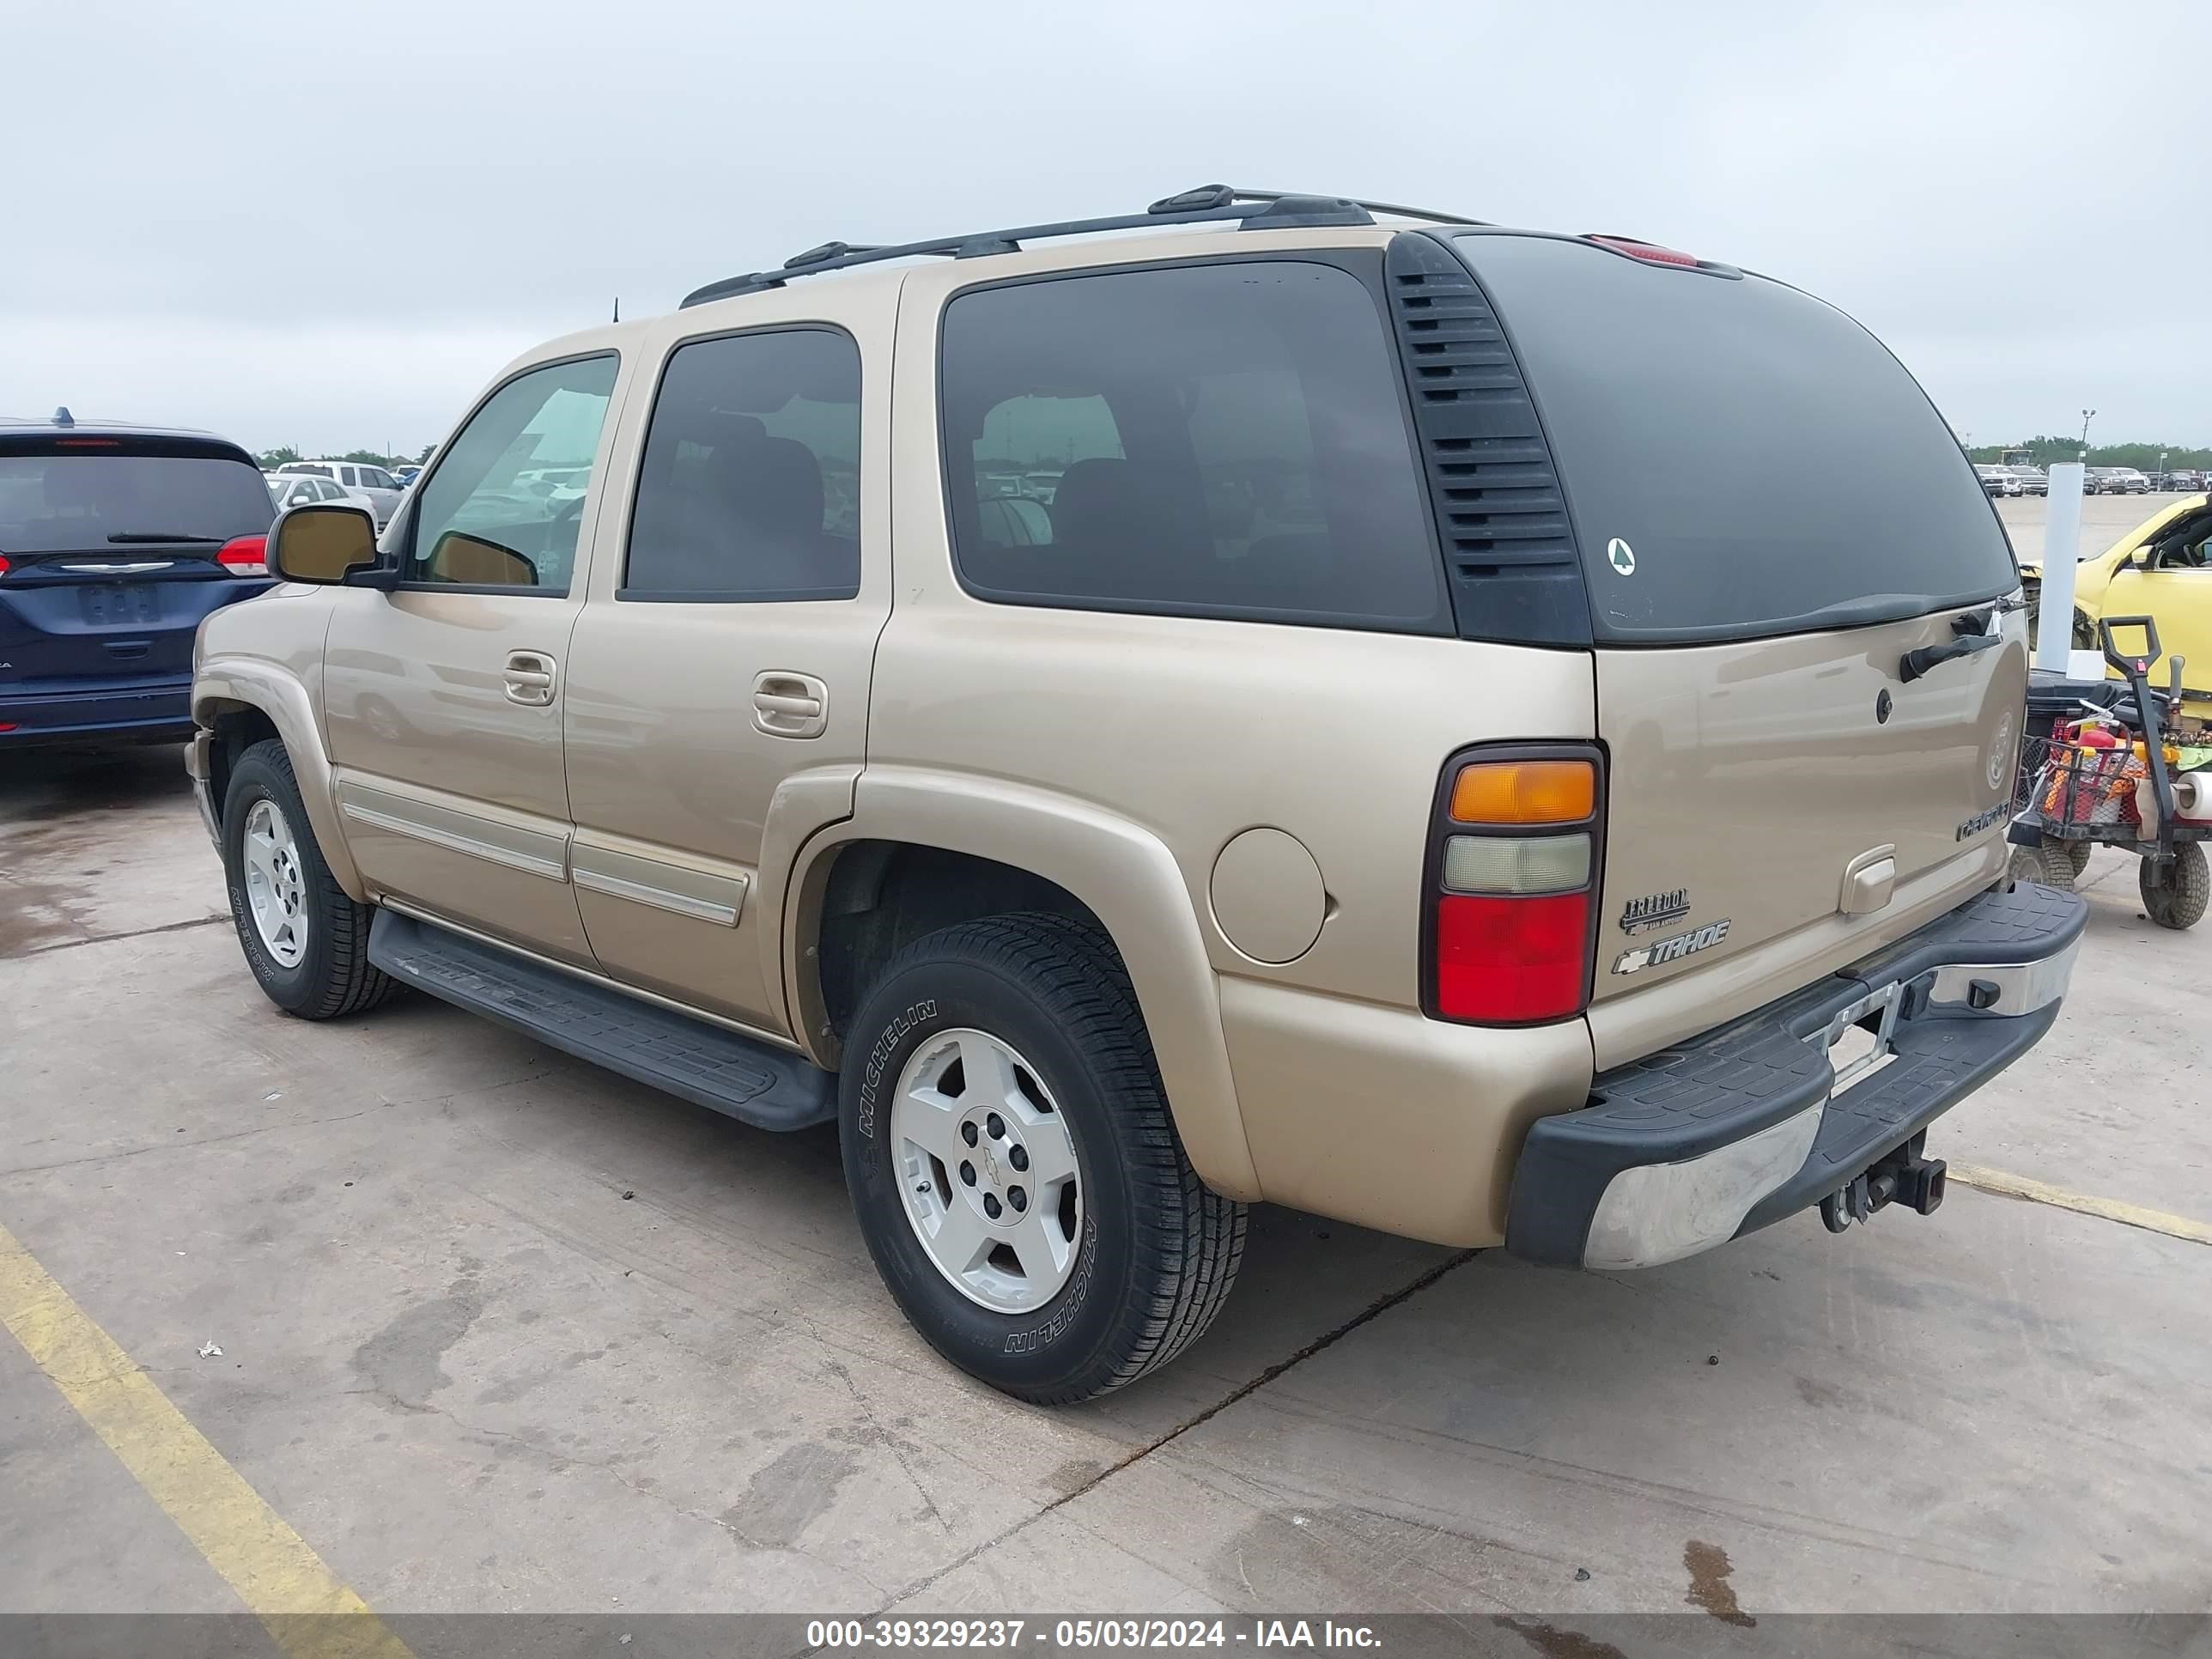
298	489
1061	873
2033	480
2181	481
115	540
2160	569
406	475
2126	481
2099	480
373	481
1998	481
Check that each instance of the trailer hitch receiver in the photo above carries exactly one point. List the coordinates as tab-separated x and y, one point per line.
1902	1176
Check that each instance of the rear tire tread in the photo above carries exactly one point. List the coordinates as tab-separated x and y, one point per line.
1074	964
1186	1240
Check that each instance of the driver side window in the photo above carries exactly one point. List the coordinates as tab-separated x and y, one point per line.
503	506
2186	547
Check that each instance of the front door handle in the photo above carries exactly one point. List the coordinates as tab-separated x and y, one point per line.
786	705
529	676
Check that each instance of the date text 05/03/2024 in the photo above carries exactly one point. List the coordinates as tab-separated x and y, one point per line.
1055	1634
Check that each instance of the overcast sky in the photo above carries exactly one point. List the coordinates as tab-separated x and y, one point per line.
327	227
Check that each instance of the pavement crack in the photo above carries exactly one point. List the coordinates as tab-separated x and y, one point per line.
110	938
1329	1338
898	1455
181	1146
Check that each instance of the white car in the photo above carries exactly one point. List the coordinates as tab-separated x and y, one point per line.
381	489
297	489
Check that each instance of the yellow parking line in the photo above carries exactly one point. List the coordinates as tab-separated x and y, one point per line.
309	1613
2111	1209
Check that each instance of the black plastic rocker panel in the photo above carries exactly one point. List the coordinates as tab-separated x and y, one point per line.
764	1086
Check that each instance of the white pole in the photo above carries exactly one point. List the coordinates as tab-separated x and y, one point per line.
2062	546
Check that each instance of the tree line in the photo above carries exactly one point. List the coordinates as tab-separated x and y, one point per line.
2042	452
284	455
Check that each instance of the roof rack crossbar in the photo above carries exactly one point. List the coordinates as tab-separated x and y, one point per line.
1255	210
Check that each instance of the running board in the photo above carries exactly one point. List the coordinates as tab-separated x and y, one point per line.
754	1083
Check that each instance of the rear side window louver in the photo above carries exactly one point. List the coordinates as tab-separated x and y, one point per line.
1516	576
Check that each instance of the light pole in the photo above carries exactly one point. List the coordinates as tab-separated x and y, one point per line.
2161	469
2086	415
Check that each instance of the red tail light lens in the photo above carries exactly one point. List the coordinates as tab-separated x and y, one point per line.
4	566
1515	845
1512	960
245	555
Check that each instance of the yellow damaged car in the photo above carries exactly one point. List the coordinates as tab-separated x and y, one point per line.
2162	569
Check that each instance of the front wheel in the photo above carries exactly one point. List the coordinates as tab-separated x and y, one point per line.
1014	1167
2174	895
306	940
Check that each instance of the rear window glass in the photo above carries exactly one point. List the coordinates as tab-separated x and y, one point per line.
75	501
750	487
1738	457
1220	439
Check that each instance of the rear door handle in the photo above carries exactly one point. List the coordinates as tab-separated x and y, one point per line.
787	705
529	676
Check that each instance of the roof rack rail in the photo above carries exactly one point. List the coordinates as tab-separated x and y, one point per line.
1390	208
1255	210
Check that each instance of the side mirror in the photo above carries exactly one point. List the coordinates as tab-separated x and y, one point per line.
470	561
322	542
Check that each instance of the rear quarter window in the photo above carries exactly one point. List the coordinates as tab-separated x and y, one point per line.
1738	458
1219	440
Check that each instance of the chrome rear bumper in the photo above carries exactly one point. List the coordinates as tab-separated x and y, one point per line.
1687	1148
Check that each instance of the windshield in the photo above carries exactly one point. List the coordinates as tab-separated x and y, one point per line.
59	503
1739	458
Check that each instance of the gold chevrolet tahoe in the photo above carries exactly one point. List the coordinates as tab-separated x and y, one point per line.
1291	700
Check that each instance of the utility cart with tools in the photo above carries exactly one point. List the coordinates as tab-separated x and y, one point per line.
2124	767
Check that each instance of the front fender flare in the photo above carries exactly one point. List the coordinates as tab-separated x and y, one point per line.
1122	871
225	684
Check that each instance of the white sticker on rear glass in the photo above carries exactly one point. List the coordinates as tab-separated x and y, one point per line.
1621	556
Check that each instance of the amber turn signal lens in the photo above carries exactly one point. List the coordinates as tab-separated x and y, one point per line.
1525	791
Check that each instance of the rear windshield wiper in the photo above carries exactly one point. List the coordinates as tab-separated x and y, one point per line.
159	536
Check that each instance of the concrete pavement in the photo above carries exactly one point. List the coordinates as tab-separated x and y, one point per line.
503	1332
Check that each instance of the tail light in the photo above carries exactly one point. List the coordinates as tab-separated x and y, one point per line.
4	566
244	555
1513	867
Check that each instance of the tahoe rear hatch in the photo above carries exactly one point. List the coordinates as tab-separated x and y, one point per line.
1771	518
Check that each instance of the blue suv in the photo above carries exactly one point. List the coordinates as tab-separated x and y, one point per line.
114	542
